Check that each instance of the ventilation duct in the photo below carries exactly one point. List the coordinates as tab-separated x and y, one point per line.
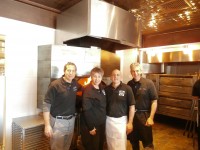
98	23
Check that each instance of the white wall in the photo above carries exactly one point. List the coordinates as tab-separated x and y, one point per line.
21	41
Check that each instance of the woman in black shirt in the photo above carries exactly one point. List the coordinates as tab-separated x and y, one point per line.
93	115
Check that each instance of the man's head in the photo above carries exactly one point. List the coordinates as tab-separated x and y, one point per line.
69	71
136	71
116	77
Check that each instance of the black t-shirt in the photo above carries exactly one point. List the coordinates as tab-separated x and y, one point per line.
62	97
118	100
145	92
94	106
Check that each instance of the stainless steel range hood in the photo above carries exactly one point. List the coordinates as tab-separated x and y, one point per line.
98	23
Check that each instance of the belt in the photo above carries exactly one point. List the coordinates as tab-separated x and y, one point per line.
66	117
141	110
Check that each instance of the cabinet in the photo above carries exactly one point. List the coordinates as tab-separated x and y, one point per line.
175	94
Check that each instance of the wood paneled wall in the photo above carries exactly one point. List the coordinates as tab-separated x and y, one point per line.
171	38
27	13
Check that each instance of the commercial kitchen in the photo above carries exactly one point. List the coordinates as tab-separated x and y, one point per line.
38	37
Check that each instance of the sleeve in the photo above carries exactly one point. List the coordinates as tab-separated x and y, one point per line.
49	97
196	88
153	92
131	98
46	107
79	97
87	109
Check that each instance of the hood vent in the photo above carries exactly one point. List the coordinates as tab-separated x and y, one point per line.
98	23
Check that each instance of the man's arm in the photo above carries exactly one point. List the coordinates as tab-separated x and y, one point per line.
150	120
129	126
46	116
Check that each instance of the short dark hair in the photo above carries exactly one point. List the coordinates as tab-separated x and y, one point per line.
68	64
97	70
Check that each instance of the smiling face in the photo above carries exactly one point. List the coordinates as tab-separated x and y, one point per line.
116	77
96	78
69	73
136	71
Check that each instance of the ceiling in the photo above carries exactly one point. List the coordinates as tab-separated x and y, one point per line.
157	16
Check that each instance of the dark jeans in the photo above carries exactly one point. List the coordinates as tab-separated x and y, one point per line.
93	142
141	132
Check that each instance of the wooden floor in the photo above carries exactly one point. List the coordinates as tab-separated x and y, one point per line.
168	135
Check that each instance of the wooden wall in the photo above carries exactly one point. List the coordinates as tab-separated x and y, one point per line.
171	38
27	13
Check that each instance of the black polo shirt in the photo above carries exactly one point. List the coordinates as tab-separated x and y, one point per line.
118	100
94	106
145	92
61	95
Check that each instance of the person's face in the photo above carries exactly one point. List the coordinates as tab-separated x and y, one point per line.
136	73
96	78
116	76
70	72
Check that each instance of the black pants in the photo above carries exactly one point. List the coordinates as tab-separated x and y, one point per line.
141	132
93	142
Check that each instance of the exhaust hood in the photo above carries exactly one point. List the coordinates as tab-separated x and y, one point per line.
98	23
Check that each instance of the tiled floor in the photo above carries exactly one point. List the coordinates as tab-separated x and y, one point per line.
168	135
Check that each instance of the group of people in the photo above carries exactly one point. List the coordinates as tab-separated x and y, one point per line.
110	113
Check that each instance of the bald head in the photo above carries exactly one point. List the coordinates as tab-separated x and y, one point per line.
116	77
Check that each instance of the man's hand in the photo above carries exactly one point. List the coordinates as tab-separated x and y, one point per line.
149	122
129	128
93	132
48	131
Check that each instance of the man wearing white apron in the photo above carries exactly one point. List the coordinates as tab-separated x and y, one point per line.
120	112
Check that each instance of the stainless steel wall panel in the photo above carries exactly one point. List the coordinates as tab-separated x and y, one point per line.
44	68
171	57
43	53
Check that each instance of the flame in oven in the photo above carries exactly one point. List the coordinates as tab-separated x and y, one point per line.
87	81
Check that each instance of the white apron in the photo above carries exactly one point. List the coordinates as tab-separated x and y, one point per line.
116	133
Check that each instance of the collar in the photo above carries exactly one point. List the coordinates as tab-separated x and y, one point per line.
140	81
66	83
117	86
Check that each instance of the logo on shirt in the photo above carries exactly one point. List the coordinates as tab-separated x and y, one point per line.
103	91
121	93
74	88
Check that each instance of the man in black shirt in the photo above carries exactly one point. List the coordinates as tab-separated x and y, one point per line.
120	112
196	97
196	90
146	103
59	109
